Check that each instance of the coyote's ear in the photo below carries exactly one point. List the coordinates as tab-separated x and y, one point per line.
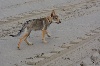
52	13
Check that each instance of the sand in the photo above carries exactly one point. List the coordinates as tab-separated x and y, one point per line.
79	17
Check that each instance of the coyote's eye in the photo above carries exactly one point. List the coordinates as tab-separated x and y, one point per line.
56	18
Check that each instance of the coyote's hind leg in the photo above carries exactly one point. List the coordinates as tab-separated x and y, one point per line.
21	39
29	43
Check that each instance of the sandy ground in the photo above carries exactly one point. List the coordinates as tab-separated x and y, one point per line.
79	17
14	7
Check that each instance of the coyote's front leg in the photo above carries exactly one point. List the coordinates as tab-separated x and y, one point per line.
43	36
48	34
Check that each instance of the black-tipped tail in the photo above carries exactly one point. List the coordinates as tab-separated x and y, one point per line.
12	35
20	31
17	34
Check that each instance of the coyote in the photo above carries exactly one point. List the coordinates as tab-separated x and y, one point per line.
37	24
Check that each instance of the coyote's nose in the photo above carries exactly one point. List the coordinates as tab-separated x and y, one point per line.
59	21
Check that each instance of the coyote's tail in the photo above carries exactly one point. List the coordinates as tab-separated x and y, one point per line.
20	31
